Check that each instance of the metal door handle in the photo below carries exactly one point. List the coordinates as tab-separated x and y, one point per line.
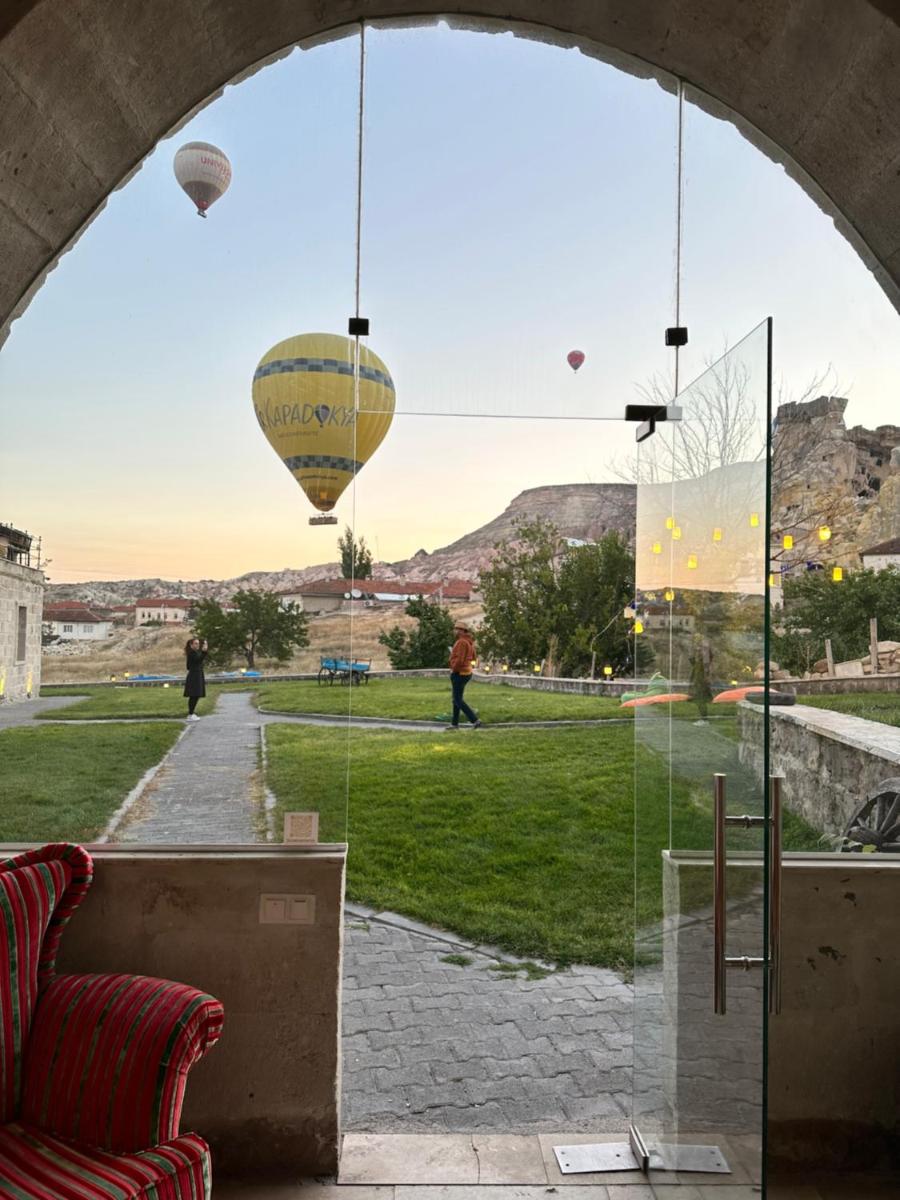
775	892
721	960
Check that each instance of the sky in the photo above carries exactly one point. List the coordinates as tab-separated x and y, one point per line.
518	202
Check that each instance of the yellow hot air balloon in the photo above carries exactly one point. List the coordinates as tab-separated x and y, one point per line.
304	399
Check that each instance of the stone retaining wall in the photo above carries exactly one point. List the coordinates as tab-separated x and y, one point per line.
825	686
829	760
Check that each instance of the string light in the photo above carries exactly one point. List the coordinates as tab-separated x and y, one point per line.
717	534
692	561
754	520
657	547
837	574
639	626
676	533
670	595
670	522
788	541
824	533
771	581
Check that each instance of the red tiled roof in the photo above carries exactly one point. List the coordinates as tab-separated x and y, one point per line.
164	602
72	612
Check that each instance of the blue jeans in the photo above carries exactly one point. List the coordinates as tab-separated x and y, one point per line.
458	684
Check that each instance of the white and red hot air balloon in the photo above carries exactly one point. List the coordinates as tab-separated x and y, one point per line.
575	358
204	172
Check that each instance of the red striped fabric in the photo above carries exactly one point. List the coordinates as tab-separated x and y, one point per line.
39	891
108	1057
36	1166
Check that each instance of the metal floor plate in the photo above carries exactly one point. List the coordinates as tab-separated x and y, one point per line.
618	1156
599	1156
670	1156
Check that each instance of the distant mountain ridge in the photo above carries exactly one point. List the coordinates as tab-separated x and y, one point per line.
579	510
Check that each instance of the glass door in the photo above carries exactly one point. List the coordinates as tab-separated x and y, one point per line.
700	720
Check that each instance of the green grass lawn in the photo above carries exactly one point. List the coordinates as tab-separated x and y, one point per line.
873	706
132	702
427	699
521	838
63	784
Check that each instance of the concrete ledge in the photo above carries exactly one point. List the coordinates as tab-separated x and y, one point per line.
826	686
267	1096
829	760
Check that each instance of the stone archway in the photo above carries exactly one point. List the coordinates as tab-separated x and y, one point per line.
87	89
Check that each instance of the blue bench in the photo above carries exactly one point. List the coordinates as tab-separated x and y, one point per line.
343	670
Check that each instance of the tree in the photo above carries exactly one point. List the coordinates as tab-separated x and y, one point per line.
521	595
816	608
546	600
356	557
428	645
257	624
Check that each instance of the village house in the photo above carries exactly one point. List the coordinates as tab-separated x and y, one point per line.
329	595
21	598
70	620
167	610
885	554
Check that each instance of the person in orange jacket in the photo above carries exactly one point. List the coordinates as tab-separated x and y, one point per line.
462	658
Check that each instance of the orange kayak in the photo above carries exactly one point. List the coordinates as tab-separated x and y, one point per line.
666	698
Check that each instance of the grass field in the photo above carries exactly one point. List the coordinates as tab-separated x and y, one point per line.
128	702
521	838
63	784
417	699
872	706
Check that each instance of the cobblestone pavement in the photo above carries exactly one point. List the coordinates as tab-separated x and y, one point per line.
209	788
431	1046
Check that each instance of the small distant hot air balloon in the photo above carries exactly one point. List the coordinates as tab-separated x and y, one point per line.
305	402
204	172
575	358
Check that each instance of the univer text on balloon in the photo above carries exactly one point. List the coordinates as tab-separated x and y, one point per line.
305	414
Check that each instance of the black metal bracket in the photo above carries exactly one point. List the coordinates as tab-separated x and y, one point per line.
358	327
648	415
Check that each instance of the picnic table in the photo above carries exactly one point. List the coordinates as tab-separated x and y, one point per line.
343	670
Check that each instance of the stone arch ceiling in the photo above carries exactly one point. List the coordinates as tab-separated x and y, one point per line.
88	86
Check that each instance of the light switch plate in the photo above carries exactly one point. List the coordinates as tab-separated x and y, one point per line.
301	828
283	908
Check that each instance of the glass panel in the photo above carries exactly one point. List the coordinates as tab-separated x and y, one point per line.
700	636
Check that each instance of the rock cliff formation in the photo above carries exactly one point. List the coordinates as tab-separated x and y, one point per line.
828	476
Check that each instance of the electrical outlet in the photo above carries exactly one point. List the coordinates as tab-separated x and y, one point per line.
282	908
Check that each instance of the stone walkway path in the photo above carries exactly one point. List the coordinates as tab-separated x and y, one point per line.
209	789
433	1046
23	712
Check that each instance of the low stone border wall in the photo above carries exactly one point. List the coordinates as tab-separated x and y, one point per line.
829	760
825	686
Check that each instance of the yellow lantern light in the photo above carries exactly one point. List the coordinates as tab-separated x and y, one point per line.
676	533
692	562
717	534
607	671
126	675
657	547
165	685
837	574
788	541
670	595
639	626
754	520
734	683
824	533
537	668
504	667
670	522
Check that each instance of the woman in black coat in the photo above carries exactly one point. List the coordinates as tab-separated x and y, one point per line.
195	683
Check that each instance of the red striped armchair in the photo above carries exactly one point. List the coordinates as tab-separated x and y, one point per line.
92	1067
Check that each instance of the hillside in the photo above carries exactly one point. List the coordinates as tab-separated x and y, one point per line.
580	510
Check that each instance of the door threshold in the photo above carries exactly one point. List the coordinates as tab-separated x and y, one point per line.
513	1160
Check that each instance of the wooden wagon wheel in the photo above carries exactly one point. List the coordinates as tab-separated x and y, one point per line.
877	821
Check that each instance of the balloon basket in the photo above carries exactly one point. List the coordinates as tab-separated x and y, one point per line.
325	519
